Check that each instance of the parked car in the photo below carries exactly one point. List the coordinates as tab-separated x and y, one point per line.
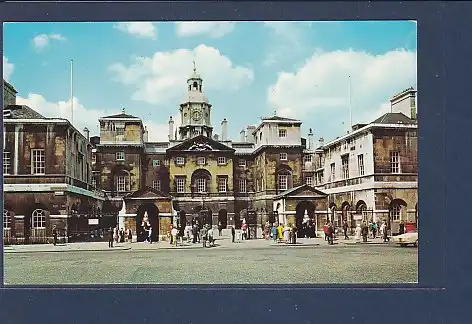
407	238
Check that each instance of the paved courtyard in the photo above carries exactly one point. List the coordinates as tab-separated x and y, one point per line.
249	262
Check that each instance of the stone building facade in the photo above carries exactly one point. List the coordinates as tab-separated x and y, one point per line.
46	172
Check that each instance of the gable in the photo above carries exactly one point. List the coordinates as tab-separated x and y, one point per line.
147	193
199	144
302	191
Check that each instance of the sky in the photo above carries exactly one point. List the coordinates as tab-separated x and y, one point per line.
313	71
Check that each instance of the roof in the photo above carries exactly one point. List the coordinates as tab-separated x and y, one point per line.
294	190
394	118
8	85
275	117
200	143
21	112
122	115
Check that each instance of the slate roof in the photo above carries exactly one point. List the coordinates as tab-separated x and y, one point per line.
280	118
394	118
21	112
122	115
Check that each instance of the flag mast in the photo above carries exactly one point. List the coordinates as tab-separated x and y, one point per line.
72	91
350	105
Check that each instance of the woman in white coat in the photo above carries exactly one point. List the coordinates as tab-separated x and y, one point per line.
358	232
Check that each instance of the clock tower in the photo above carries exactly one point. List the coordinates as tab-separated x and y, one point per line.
195	110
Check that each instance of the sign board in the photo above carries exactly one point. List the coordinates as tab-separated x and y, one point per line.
93	221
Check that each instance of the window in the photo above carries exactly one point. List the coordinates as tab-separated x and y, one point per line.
120	156
38	218
360	164
38	163
309	180
94	158
222	184
395	162
242	185
180	183
242	163
345	166
180	160
120	131
282	133
6	162
333	171
283	182
201	160
156	185
6	219
283	156
221	160
94	182
201	185
156	163
307	158
121	183
344	145
396	212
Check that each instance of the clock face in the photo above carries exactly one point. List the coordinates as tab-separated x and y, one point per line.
197	115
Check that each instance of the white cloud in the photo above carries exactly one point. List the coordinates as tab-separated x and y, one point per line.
7	68
285	41
144	29
160	79
213	29
42	40
322	83
88	117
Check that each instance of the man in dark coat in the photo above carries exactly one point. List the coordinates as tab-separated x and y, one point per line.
402	228
345	230
365	232
233	233
110	237
330	233
54	234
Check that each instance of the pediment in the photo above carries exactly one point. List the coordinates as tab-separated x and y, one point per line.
201	143
147	193
303	191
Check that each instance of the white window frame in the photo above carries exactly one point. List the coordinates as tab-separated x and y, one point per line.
201	160
201	185
38	219
180	160
396	213
333	171
282	133
345	166
180	185
6	219
38	156
395	162
307	158
120	156
242	163
360	164
94	182
309	181
222	184
120	183
120	131
156	184
6	162
94	158
283	182
156	163
242	185
283	157
221	160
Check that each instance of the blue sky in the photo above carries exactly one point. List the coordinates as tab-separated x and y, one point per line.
249	69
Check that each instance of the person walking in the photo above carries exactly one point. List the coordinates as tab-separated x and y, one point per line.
173	233
233	234
325	230
115	234
358	232
54	235
220	228
110	237
365	232
374	230
346	237
150	235
330	233
401	229
384	229
203	234
274	233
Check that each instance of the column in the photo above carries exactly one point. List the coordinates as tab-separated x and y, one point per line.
17	149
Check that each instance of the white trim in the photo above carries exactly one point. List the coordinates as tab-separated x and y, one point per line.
36	121
17	149
59	216
19	216
206	199
147	198
374	185
120	119
39	187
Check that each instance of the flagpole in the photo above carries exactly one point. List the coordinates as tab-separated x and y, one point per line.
350	105
72	91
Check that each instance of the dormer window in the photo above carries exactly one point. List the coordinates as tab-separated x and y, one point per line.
201	160
180	160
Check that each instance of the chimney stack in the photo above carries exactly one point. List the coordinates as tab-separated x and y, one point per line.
405	102
321	140
171	129
215	137
87	133
310	140
249	134
224	130
242	134
146	135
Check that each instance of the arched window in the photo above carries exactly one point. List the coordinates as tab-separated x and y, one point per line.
38	218
195	85
200	181
6	219
396	212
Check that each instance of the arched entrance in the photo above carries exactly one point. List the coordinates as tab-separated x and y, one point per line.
347	214
361	209
305	213
153	219
223	218
34	226
333	209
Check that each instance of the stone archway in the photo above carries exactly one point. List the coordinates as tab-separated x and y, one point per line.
35	224
223	218
305	208
346	214
153	219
